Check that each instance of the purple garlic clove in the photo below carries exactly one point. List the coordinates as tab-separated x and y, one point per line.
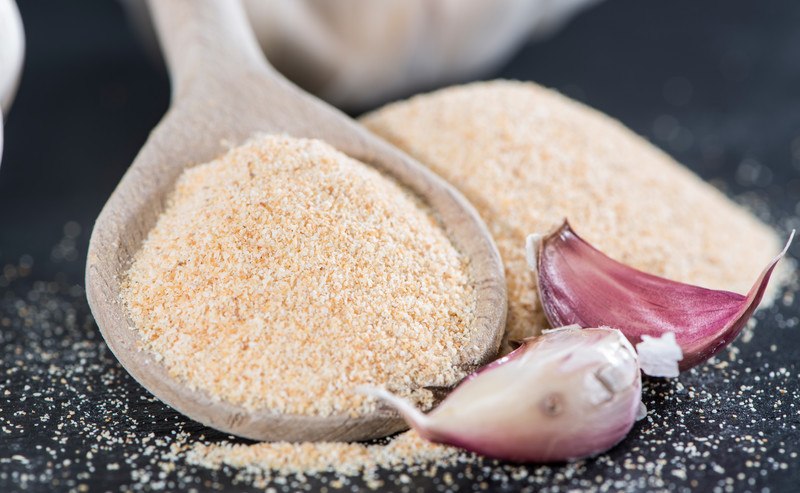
567	394
578	284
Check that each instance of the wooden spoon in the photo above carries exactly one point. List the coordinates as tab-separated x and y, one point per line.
225	91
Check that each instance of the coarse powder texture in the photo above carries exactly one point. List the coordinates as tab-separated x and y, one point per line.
528	158
284	274
264	460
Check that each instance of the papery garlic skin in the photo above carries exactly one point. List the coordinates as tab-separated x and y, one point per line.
567	394
659	356
579	284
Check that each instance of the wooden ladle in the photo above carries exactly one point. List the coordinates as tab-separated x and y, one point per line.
224	91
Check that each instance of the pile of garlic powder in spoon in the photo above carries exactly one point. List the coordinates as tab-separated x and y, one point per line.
284	274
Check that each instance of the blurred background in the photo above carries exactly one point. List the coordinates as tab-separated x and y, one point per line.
714	83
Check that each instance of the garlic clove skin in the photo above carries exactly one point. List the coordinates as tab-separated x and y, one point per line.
567	394
578	284
659	356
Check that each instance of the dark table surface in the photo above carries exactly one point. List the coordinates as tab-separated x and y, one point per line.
715	83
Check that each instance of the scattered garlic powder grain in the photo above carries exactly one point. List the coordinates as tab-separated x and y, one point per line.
527	158
268	459
284	274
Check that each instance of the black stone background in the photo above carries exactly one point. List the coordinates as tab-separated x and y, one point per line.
715	83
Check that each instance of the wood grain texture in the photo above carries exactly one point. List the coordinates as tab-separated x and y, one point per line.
223	93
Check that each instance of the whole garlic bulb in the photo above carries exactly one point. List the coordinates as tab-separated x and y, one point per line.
357	54
12	48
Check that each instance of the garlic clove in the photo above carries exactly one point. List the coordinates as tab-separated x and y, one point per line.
567	394
578	284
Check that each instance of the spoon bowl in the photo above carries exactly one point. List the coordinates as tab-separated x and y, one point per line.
224	91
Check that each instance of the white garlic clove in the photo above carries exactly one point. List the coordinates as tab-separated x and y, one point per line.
567	394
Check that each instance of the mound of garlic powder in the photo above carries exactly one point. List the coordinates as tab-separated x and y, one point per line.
284	274
528	158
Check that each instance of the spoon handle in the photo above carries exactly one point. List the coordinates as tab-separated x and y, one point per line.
205	40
